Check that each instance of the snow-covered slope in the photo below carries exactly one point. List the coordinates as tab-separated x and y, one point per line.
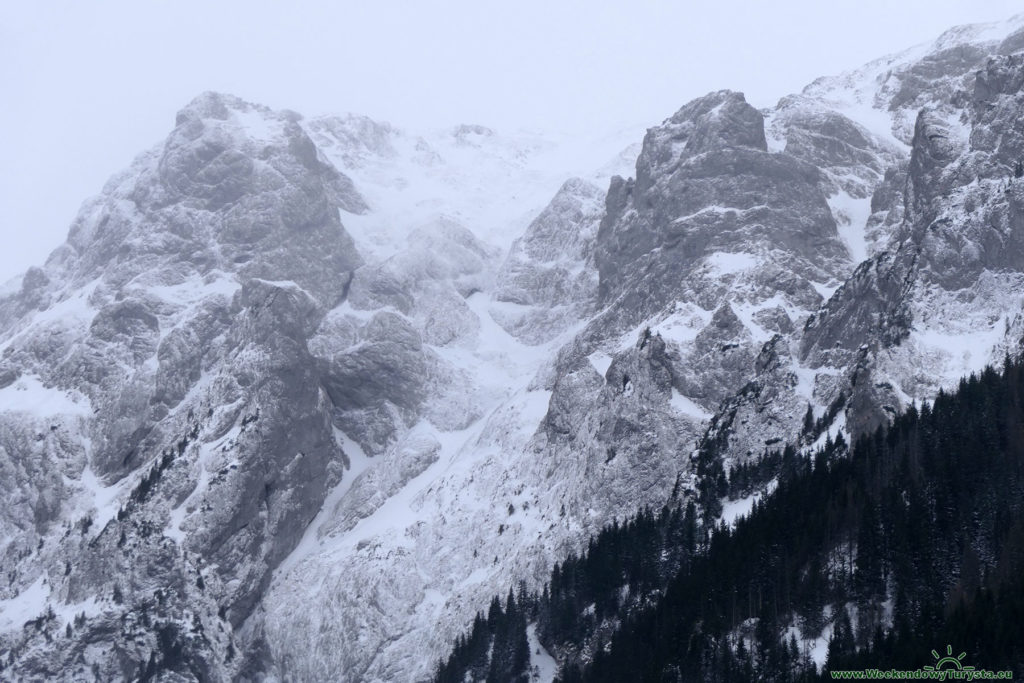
491	183
298	396
222	391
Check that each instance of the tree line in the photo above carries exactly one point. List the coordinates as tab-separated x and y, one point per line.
871	555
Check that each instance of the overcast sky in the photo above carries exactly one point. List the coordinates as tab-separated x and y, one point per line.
87	85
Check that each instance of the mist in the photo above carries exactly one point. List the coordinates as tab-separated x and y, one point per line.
89	85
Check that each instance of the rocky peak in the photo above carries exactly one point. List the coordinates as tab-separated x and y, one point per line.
715	122
937	142
1001	75
706	183
236	188
721	119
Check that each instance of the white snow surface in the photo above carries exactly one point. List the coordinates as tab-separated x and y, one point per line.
733	510
29	395
543	667
601	361
427	552
857	94
28	604
357	563
71	310
851	216
682	325
687	406
723	263
103	501
488	181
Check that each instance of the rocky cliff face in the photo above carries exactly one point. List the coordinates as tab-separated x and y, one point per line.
185	442
298	396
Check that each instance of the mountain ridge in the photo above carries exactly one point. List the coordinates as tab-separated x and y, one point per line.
272	322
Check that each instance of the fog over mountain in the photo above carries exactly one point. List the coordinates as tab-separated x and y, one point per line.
88	86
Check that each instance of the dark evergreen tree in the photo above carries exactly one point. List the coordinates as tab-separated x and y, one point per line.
919	528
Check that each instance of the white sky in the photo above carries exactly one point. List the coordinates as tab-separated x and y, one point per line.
87	85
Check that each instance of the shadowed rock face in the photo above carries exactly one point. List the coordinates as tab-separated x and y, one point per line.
173	325
961	234
549	271
850	158
216	206
829	139
717	244
218	196
936	75
688	250
706	183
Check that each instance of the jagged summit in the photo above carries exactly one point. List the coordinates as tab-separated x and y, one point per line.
718	121
222	107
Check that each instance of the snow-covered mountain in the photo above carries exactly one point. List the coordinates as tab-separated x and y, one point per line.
298	396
